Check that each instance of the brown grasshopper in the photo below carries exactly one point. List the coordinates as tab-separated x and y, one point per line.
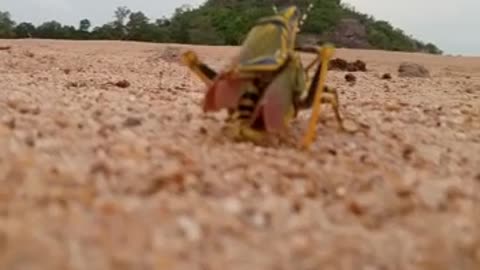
266	85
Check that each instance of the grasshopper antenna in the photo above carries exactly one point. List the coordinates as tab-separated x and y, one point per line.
275	9
305	15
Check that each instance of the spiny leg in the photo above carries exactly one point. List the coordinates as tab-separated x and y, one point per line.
330	96
203	71
325	54
307	101
332	99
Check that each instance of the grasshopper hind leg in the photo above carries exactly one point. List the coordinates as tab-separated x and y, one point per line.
330	95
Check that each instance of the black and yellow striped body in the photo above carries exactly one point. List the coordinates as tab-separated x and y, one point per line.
247	104
240	119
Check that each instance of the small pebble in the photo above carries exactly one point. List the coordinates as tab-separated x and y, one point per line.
132	122
191	229
232	206
350	126
122	84
341	192
386	76
350	78
9	121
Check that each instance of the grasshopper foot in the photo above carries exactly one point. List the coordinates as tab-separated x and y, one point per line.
243	133
190	58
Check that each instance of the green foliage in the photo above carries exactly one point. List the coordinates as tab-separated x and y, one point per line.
204	33
324	16
180	24
24	30
84	25
104	32
6	25
382	35
137	26
121	14
83	30
50	30
218	22
431	48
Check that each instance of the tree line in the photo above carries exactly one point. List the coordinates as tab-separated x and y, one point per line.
216	22
127	25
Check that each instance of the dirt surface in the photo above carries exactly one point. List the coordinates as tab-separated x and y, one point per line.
107	162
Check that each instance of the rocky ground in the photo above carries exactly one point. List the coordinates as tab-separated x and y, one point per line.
107	162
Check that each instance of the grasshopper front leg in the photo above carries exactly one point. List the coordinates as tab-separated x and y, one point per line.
205	73
202	70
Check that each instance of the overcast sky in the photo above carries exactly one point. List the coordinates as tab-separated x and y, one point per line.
451	25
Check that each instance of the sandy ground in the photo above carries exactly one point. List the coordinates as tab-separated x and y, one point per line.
95	175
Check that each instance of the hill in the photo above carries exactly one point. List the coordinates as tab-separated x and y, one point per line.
226	22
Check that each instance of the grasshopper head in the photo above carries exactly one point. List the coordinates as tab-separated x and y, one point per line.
291	15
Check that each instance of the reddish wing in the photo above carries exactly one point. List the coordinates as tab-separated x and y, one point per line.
276	103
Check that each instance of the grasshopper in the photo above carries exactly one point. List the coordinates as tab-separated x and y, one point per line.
266	84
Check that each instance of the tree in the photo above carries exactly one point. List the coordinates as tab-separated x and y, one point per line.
106	31
69	32
162	30
180	24
163	22
323	17
204	32
430	48
24	30
378	39
121	14
51	29
84	25
6	25
137	26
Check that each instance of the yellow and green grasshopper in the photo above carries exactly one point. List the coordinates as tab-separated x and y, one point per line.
266	85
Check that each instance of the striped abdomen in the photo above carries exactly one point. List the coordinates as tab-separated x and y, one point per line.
247	105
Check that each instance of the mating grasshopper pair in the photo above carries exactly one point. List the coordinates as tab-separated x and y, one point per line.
266	85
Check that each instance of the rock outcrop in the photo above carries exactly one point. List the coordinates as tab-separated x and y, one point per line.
410	70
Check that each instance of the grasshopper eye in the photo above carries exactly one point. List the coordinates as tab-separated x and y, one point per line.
296	16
